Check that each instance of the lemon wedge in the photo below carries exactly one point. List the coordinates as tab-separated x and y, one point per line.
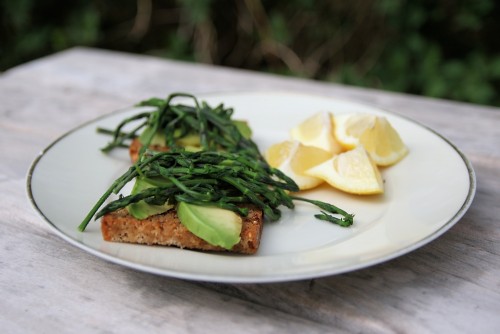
317	131
383	143
352	171
293	158
349	127
375	133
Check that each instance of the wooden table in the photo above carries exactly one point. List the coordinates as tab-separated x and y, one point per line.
451	285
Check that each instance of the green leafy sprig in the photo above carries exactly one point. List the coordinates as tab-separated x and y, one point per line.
210	178
214	126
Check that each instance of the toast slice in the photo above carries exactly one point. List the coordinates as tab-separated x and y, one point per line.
136	145
166	229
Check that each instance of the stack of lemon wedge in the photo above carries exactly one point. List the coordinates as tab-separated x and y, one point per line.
345	150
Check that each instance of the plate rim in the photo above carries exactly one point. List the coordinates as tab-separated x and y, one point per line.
257	279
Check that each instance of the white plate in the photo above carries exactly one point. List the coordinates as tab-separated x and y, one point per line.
426	193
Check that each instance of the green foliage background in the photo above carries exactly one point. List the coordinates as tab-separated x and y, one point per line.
445	49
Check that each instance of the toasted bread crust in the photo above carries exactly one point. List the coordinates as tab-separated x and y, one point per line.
166	229
135	147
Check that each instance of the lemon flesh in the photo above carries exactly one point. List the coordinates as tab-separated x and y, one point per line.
317	131
349	127
375	133
294	158
353	172
383	143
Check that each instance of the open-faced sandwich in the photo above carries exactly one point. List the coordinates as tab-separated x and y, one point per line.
200	182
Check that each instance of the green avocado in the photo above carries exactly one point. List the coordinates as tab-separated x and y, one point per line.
156	138
215	225
191	139
141	209
243	128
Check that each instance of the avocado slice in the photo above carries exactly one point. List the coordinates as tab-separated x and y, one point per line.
217	226
191	139
141	209
243	128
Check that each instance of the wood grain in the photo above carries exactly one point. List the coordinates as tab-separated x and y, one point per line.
451	285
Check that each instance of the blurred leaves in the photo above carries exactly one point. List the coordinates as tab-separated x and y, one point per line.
31	29
444	49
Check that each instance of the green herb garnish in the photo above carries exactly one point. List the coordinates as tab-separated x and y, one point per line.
210	178
173	122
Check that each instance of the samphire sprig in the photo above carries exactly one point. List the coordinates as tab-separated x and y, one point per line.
214	126
212	178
